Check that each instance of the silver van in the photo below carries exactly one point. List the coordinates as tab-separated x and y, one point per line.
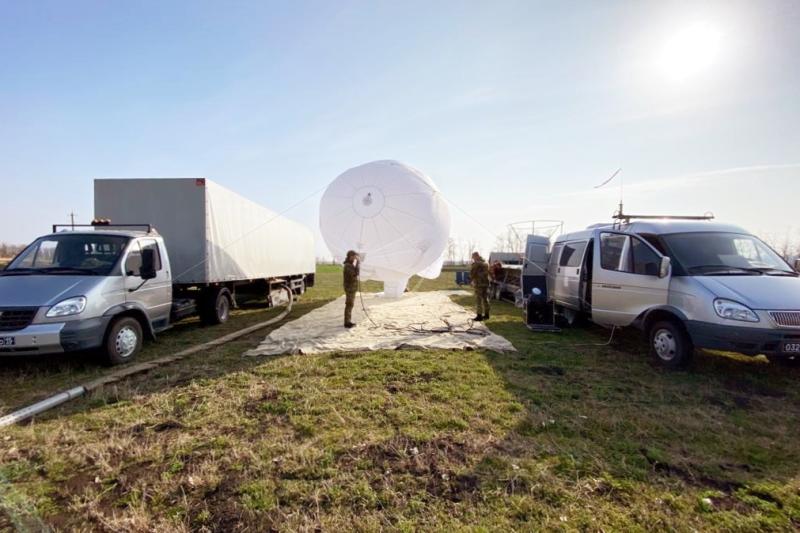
74	291
686	284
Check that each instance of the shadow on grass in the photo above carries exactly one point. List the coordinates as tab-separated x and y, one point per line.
30	379
610	416
27	379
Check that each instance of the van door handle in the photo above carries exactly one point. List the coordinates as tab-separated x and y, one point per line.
605	286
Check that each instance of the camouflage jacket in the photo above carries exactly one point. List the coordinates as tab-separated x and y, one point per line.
350	277
479	274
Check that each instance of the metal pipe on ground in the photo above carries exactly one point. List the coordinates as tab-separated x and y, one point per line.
126	371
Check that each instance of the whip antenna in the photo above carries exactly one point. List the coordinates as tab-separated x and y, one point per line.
614	175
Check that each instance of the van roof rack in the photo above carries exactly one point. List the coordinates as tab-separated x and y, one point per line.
103	226
622	217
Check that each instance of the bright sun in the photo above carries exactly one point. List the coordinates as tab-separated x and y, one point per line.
689	52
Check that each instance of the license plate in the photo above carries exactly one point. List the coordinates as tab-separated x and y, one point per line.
7	341
791	347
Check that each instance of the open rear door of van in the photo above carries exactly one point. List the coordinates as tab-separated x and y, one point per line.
625	278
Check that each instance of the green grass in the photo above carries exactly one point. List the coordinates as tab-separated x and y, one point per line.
562	435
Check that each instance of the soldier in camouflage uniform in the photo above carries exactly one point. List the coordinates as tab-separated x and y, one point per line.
351	273
479	278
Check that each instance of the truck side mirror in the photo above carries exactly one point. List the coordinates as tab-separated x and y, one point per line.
663	270
797	265
148	268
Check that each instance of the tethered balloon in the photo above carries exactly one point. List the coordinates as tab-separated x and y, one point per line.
393	215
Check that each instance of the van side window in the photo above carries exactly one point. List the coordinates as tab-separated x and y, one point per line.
624	253
133	263
612	247
645	260
572	254
151	244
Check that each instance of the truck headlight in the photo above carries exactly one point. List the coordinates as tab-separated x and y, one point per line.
734	311
70	306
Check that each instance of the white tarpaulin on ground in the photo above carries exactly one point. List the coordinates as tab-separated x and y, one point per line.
417	320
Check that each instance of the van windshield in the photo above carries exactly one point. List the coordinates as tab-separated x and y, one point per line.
725	254
82	254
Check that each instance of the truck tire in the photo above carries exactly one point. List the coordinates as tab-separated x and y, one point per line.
123	340
670	345
216	307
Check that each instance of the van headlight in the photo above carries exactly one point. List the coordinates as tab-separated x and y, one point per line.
70	306
734	310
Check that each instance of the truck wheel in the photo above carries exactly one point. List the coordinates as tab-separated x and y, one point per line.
216	308
123	340
670	345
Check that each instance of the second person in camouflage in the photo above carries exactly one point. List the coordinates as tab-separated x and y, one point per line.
479	278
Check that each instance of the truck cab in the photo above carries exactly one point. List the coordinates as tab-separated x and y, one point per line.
686	284
98	289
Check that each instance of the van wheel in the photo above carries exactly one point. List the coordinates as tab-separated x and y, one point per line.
670	345
216	309
123	340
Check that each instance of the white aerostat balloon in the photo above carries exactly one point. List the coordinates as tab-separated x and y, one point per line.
393	215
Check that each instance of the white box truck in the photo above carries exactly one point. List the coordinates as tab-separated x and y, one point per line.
174	247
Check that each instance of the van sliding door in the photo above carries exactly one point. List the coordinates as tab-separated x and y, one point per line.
568	274
625	279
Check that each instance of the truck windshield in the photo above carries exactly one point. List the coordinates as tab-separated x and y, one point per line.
69	254
725	254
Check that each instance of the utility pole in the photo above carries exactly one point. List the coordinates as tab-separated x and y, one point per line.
72	219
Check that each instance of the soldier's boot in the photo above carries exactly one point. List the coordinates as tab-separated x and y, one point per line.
486	316
478	318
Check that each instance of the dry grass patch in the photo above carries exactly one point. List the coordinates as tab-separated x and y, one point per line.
555	437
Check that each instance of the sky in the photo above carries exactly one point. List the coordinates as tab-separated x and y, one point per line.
516	110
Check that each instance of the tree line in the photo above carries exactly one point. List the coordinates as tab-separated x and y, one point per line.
10	250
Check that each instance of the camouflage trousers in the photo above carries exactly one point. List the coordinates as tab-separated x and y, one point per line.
482	300
349	302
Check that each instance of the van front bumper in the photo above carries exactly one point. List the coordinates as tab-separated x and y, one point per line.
56	337
740	339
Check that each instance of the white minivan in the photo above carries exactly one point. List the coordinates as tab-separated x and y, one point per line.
686	284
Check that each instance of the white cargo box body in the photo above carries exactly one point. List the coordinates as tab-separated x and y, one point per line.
212	234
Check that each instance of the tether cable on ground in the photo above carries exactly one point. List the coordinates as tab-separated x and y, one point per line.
127	371
419	329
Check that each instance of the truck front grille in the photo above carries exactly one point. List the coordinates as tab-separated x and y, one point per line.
786	319
16	319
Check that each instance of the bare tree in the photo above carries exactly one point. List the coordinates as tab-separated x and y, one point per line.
787	245
8	251
472	246
499	243
452	250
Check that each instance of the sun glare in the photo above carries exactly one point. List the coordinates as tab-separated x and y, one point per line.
689	52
